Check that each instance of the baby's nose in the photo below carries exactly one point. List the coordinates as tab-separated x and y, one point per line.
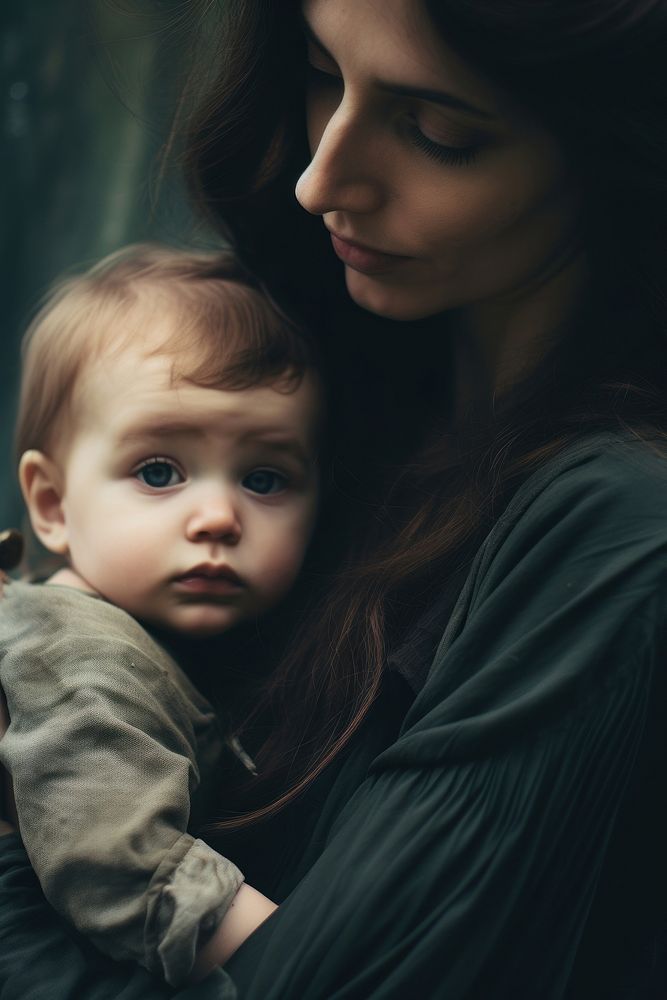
216	519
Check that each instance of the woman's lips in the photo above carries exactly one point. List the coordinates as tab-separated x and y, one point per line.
363	259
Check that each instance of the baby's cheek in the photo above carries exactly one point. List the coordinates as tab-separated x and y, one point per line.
281	563
127	565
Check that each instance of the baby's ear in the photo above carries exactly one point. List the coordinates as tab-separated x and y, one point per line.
42	487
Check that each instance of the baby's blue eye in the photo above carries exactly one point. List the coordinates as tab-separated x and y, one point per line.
264	481
158	474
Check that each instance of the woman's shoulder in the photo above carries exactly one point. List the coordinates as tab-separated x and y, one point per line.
566	598
614	473
599	508
602	499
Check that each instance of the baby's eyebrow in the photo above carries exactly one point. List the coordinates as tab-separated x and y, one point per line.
281	445
157	428
267	439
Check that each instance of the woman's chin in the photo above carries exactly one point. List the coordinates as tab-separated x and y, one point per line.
377	294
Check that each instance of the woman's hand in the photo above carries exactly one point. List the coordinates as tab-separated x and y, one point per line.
8	820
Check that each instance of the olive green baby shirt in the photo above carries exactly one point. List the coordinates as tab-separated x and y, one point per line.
108	743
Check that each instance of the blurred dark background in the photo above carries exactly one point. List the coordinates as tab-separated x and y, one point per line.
89	88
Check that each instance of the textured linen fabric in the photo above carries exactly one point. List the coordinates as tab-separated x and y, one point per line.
107	746
477	854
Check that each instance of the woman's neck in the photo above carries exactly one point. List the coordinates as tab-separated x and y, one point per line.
498	343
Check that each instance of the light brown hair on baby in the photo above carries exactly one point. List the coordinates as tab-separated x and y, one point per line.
213	320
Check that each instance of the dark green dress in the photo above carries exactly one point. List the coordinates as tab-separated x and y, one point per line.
508	842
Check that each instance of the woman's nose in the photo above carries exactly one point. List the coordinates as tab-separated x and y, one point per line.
216	519
344	174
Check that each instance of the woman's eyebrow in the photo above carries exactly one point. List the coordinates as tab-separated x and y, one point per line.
403	90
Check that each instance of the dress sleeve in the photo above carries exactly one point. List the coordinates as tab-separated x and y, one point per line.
102	748
465	862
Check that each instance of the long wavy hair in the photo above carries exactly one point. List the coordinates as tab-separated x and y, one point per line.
595	73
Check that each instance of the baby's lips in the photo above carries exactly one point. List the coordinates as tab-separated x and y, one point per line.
212	571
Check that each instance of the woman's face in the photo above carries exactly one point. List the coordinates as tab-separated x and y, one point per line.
438	192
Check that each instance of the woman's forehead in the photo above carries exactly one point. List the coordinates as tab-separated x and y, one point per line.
394	41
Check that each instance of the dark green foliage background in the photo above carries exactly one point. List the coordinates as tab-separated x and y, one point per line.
88	91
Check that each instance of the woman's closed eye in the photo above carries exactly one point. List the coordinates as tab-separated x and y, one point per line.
265	482
158	473
452	155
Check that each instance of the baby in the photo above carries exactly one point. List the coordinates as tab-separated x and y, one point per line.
167	428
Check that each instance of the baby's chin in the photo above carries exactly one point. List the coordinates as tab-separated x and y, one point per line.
204	627
195	621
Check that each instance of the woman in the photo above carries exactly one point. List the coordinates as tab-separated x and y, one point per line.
473	805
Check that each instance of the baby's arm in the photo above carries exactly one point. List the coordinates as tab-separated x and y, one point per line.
246	912
103	749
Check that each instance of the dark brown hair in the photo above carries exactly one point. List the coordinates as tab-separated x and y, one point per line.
594	72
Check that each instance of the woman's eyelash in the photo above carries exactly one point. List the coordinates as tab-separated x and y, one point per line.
456	156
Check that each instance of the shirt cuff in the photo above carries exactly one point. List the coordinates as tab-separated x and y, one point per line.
187	899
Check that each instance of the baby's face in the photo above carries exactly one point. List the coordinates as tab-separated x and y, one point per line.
189	507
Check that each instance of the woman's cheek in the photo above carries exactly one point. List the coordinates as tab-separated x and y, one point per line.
447	218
